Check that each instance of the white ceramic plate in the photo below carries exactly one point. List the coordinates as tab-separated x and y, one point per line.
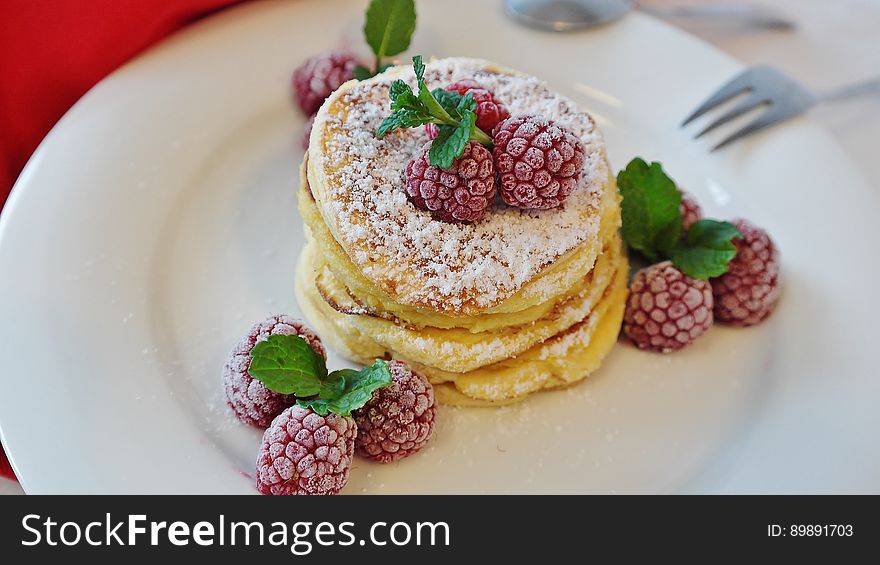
157	222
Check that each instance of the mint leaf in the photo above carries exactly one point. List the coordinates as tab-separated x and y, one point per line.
407	110
357	390
434	109
430	103
359	387
650	209
287	364
447	98
451	141
388	26
419	68
361	72
402	119
402	97
466	103
706	250
452	112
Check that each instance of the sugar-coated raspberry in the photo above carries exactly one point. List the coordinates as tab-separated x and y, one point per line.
252	402
460	193
305	453
319	76
691	213
667	309
539	161
399	419
490	111
747	293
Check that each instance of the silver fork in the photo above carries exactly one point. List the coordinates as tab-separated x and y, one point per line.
782	95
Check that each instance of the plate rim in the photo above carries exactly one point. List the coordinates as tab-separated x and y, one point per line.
22	188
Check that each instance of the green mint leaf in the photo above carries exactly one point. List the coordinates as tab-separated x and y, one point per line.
333	386
384	67
389	25
357	390
433	108
362	73
419	68
287	364
451	141
407	110
449	100
650	208
452	112
402	97
359	387
399	119
430	104
706	250
466	103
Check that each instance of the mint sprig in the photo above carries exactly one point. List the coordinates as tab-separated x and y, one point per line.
652	224
453	113
287	364
388	29
706	250
358	387
651	209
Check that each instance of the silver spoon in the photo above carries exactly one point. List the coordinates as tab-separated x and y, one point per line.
571	15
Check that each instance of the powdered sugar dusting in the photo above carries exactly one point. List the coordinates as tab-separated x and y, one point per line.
422	261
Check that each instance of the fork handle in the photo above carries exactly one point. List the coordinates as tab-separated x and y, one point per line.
862	88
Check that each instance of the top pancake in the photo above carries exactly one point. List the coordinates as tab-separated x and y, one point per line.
455	269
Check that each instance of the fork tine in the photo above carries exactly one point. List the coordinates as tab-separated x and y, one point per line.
752	101
733	87
775	114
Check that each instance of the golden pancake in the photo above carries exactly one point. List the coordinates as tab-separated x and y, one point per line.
562	279
454	269
519	301
563	359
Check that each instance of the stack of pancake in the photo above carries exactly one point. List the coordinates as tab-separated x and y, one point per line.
490	312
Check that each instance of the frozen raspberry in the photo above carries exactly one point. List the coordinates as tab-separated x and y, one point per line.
252	402
667	309
747	293
490	111
307	132
460	193
691	213
305	453
539	162
399	419
319	76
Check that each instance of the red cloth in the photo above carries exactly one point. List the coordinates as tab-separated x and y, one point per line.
5	469
51	53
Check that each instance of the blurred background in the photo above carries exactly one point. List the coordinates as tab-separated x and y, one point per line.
53	51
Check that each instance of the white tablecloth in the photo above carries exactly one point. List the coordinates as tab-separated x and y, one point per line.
836	42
